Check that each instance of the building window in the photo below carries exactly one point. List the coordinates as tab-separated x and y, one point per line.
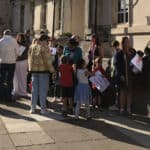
123	11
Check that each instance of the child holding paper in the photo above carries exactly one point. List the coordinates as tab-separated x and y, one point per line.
96	93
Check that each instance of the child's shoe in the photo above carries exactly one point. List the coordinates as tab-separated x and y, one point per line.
64	114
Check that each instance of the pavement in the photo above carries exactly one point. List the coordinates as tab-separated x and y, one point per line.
20	130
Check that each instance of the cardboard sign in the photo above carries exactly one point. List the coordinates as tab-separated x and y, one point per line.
100	81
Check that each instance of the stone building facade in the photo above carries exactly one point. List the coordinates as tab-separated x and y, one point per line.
4	15
110	19
131	18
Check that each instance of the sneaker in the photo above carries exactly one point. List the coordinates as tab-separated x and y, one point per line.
70	111
32	110
129	113
89	118
44	112
64	114
77	118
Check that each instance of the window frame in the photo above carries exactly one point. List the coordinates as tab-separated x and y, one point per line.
123	12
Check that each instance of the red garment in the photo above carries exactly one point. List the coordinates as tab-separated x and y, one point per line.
101	69
66	79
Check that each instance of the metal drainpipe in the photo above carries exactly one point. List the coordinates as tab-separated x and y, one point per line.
62	17
53	29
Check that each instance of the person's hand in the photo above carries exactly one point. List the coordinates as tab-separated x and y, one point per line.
54	76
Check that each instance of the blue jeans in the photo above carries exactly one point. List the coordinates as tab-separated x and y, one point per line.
40	85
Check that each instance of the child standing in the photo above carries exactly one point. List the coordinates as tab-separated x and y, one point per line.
66	83
97	96
83	93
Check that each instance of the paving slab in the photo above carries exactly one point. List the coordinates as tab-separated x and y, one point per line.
87	145
2	128
41	137
15	119
5	143
20	139
23	127
55	125
68	135
31	138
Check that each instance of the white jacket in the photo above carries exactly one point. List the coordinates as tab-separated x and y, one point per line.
8	50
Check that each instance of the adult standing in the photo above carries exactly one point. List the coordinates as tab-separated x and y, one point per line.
124	75
96	51
20	76
8	55
74	52
116	49
40	64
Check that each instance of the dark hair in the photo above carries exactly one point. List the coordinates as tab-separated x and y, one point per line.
44	38
22	36
116	44
60	46
140	53
123	40
93	35
109	62
80	63
42	32
64	60
73	42
147	51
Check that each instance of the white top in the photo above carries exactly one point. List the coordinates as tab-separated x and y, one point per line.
82	78
8	50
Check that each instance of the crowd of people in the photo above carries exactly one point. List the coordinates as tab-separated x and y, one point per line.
42	66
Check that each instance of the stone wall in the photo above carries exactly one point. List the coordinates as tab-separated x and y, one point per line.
4	15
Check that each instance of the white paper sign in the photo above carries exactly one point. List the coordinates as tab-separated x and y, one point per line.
21	50
100	81
137	62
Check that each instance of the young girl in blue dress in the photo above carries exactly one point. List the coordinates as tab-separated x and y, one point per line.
83	93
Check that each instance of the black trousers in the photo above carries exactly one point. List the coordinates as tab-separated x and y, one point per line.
6	80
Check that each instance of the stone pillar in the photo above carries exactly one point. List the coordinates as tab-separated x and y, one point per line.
68	16
37	14
49	23
86	15
57	17
62	17
16	17
27	16
106	12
